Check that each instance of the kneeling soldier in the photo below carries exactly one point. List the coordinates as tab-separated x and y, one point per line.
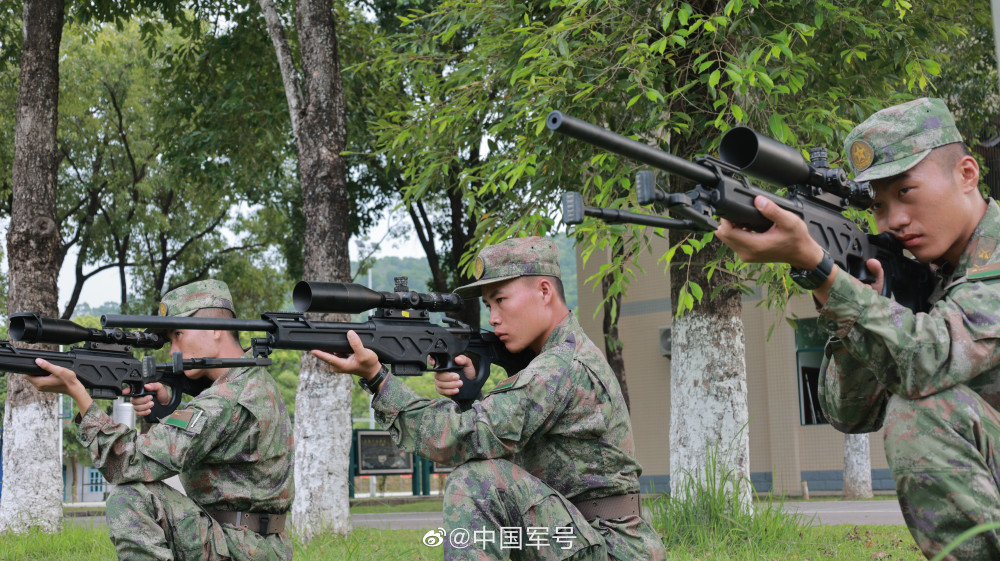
231	446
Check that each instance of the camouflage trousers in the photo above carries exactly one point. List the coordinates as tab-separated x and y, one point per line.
155	521
943	454
494	509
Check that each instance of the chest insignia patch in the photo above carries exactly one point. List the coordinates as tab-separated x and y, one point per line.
987	272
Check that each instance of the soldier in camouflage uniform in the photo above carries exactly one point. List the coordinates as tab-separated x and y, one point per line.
546	464
932	380
231	446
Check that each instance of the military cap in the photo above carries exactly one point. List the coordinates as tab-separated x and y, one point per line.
899	137
509	259
185	301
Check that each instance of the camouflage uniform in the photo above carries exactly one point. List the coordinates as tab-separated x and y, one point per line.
555	433
931	379
231	446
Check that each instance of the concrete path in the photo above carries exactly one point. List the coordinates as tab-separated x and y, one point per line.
848	512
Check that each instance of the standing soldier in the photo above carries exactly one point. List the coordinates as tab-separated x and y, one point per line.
546	462
231	446
932	380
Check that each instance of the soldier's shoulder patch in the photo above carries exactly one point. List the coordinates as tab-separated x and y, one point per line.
186	419
985	273
506	384
518	380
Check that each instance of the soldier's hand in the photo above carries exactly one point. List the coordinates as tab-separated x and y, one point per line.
361	362
61	380
786	241
875	267
143	405
448	383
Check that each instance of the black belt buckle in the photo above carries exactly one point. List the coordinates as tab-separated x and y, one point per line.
265	524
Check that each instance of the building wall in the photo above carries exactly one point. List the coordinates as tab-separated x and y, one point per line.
783	451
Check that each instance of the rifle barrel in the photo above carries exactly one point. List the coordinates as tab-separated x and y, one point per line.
624	146
167	322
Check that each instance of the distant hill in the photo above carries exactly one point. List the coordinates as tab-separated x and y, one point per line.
419	273
85	309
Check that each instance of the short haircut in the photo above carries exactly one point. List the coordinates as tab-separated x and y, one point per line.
949	155
556	282
220	313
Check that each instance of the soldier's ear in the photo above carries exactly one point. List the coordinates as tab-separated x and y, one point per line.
545	287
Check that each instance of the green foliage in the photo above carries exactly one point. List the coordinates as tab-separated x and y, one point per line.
10	60
669	74
138	193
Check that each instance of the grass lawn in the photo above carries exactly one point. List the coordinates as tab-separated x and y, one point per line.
707	525
837	543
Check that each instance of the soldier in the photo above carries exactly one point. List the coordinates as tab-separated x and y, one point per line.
932	380
231	446
546	463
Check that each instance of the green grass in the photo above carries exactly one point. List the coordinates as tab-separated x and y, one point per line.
704	522
73	543
81	543
836	543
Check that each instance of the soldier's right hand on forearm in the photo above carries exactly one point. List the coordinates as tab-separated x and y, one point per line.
448	383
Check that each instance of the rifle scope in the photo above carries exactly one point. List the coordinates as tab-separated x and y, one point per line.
32	328
774	162
350	298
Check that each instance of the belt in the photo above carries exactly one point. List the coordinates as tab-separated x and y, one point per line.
261	522
608	508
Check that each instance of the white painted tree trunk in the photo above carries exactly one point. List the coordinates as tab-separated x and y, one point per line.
322	450
857	467
323	399
32	485
708	404
32	482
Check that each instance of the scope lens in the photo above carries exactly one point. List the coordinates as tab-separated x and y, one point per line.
739	147
23	327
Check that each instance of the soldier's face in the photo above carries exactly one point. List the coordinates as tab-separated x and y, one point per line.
193	343
517	313
929	208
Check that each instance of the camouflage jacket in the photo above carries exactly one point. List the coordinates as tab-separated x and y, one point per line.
563	419
231	445
879	347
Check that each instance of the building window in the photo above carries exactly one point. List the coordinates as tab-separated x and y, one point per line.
810	339
95	480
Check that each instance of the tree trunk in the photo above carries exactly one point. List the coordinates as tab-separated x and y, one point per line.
323	401
32	483
708	399
857	467
709	414
613	348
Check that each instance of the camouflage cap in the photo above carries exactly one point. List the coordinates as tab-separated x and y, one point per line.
185	301
509	259
899	137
